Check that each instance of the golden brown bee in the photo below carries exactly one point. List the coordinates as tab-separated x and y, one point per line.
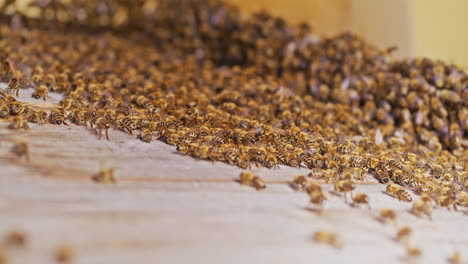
360	198
57	116
18	122
403	234
102	124
40	92
250	179
344	186
20	149
328	238
17	108
38	116
299	183
146	135
386	215
64	254
13	86
271	161
37	79
4	110
421	207
317	197
447	201
105	175
127	124
413	252
456	258
312	187
398	192
15	239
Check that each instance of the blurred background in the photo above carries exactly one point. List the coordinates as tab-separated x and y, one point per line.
431	28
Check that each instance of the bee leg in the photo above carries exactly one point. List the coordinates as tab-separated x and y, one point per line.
455	207
107	135
100	134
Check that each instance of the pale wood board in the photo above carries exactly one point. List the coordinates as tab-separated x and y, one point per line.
168	208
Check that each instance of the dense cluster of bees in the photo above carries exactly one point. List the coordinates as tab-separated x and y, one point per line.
247	91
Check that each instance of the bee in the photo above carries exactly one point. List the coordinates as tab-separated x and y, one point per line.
64	254
16	239
421	207
4	110
455	258
127	124
447	201
18	122
57	116
317	197
403	234
38	116
146	135
250	179
20	149
413	252
360	198
398	192
17	108
102	124
328	238
313	187
13	86
386	215
40	92
299	182
105	175
271	161
344	186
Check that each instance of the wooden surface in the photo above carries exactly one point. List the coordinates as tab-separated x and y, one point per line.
168	208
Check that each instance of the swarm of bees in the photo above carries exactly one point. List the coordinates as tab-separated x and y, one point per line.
249	92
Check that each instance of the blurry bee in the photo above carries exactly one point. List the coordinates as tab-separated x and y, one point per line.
317	197
250	179
64	254
102	124
299	183
398	192
313	187
271	161
403	234
40	92
15	239
57	116
17	108
387	215
38	116
105	175
344	186
4	110
20	149
13	86
328	238
421	207
455	258
127	124
146	135
37	79
413	252
360	198
18	122
447	201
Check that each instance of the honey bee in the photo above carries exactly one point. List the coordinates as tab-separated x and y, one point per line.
4	110
317	197
105	175
455	258
403	234
344	186
20	149
421	207
146	135
447	201
127	124
64	254
328	238
40	92
102	124
57	116
360	198
398	192
387	215
18	122
413	252
13	86
38	116
250	179
299	182
312	187
17	108
271	161
15	239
